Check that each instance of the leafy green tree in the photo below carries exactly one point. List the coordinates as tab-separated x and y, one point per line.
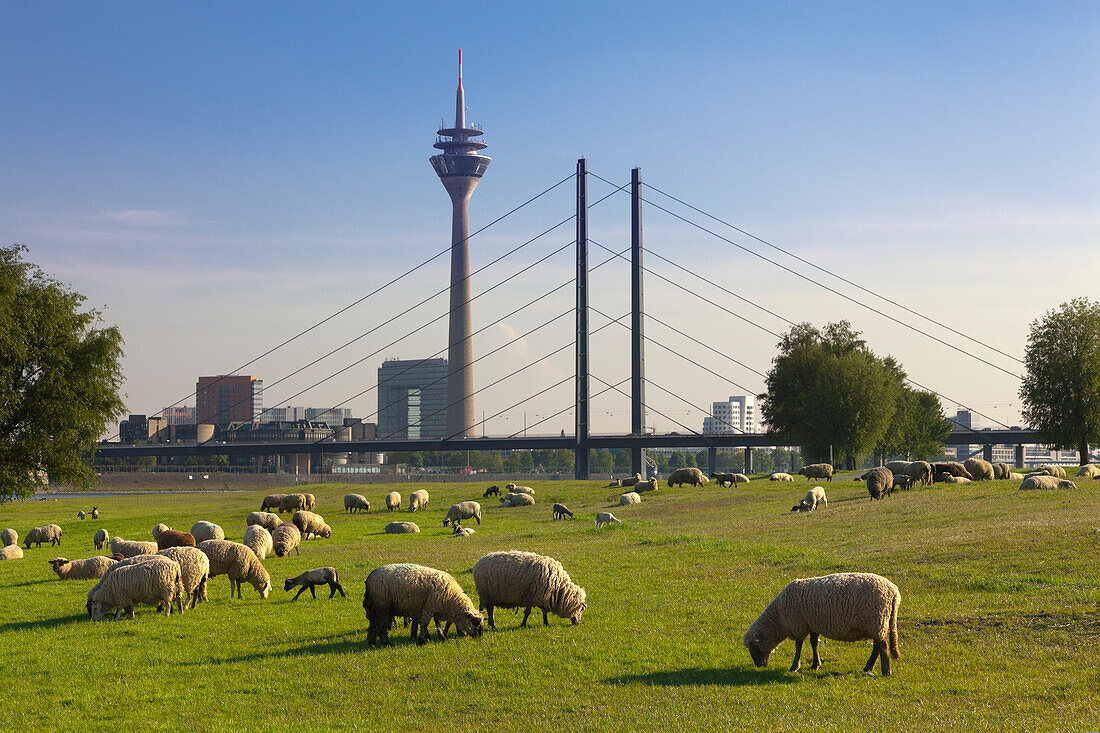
622	460
675	460
60	376
1061	390
564	459
601	461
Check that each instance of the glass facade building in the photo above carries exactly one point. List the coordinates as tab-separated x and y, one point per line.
412	398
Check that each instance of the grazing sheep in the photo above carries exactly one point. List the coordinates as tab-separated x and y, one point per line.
1089	470
101	539
630	481
421	593
258	539
203	531
95	512
309	523
630	497
724	478
460	531
11	552
91	569
956	480
521	490
158	581
901	481
401	528
318	576
817	470
9	537
1055	471
515	579
511	500
293	503
239	563
463	510
880	482
692	476
605	518
418	500
643	486
978	469
897	467
267	520
918	471
50	533
194	572
1046	482
491	491
843	607
356	502
1019	476
80	515
311	502
393	501
1001	471
809	502
285	538
131	548
781	477
271	501
952	468
174	538
158	529
561	511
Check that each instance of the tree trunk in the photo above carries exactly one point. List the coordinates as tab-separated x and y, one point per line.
1083	452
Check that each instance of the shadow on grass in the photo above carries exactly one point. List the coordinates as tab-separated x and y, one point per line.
731	677
49	623
24	584
338	646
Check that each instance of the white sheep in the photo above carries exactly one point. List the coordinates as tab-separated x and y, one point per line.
643	486
271	501
309	524
203	531
780	476
979	470
92	568
285	538
521	490
393	501
817	470
9	537
401	528
157	529
1014	476
258	539
356	503
318	576
629	498
422	593
1089	470
842	606
194	572
605	518
293	503
460	531
418	500
1042	481
50	533
463	510
956	480
514	579
130	548
11	552
809	502
157	581
267	520
239	563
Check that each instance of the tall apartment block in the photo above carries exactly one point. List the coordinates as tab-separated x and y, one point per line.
228	398
736	415
412	399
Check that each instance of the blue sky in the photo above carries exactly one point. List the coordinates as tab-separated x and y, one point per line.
218	176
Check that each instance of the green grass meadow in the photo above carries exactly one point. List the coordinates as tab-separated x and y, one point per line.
999	625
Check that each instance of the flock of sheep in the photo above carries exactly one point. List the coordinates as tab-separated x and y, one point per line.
174	568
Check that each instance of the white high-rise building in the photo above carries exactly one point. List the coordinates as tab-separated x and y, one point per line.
736	415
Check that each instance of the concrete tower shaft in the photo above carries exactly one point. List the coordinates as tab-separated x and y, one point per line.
460	168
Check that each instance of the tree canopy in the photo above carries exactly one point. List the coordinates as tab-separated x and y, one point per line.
60	377
1061	390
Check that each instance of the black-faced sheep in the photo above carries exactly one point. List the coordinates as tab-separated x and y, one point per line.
356	503
318	576
309	523
80	515
239	563
809	502
418	592
393	501
491	491
418	500
174	538
729	478
951	468
463	510
285	538
880	482
561	511
692	476
843	607
158	581
818	471
515	579
603	519
91	569
460	531
95	512
271	501
50	533
901	481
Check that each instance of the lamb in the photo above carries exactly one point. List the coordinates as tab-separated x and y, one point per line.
175	538
509	486
978	469
50	533
80	515
630	481
630	497
809	502
1046	482
309	523
158	581
691	476
239	563
956	480
271	501
194	572
258	539
817	470
522	490
286	538
1089	470
511	500
356	502
203	531
879	482
418	592
901	481
91	569
561	511
101	538
842	606
781	477
463	510
603	519
514	579
311	502
267	520
9	537
95	512
11	552
418	500
460	531
401	528
491	491
1001	471
293	503
393	501
318	576
130	548
643	486
730	478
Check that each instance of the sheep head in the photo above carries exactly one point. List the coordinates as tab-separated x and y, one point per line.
760	649
97	610
470	623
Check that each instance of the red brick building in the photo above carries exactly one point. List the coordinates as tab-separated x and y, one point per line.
228	398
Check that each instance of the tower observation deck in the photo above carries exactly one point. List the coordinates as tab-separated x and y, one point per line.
460	168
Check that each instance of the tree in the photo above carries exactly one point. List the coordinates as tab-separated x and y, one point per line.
1061	390
600	461
60	376
676	460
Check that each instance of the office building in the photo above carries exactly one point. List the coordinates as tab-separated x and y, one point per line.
412	398
229	398
735	416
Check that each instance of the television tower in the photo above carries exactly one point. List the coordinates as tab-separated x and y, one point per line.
460	168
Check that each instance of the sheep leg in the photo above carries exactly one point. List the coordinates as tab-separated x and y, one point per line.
118	613
442	633
334	586
797	653
312	592
300	592
422	636
545	621
883	655
526	613
492	621
813	645
874	655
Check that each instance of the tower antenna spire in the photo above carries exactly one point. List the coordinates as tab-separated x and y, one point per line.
460	66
